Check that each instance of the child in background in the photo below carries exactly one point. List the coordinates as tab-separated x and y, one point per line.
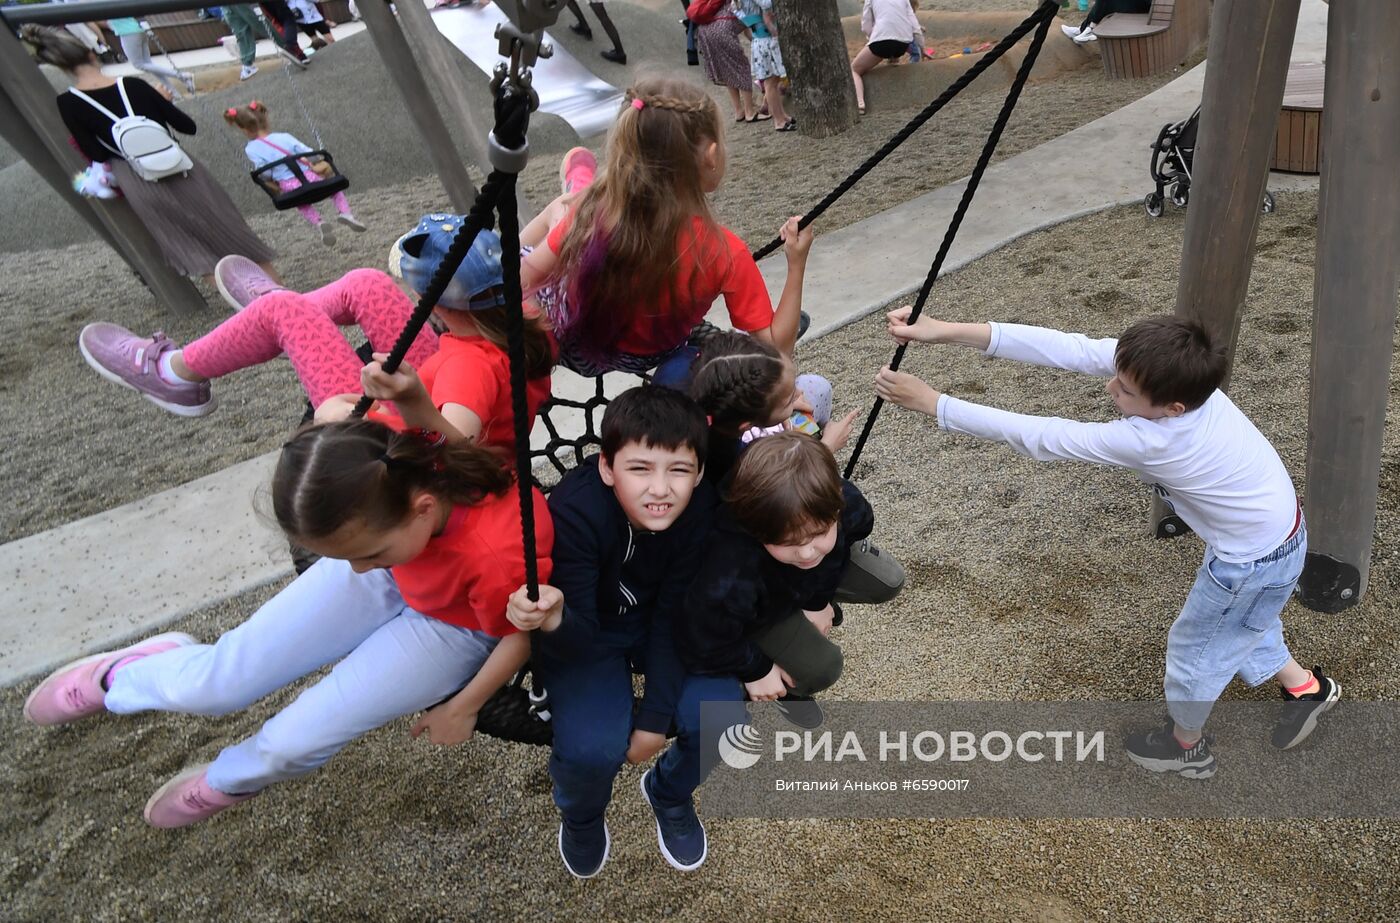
136	46
632	525
420	544
311	23
638	259
266	146
1181	434
761	607
468	382
766	58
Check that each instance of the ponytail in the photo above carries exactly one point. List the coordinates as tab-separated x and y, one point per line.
361	470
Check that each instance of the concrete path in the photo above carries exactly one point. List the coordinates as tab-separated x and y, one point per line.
227	52
121	574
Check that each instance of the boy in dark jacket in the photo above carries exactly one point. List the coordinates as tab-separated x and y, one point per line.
631	526
761	606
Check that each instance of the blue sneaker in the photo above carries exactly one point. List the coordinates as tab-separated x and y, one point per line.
584	849
679	832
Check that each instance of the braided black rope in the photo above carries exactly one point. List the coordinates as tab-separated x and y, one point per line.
1045	14
1042	16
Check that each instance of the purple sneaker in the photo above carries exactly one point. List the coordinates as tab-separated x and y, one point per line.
123	358
75	691
240	280
188	799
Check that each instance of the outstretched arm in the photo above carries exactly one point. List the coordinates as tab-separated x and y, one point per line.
1021	342
454	721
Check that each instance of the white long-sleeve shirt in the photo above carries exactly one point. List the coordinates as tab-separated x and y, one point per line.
883	20
1211	464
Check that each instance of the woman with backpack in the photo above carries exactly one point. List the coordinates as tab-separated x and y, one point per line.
119	122
717	32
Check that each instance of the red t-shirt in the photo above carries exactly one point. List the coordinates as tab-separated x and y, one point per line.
468	571
474	372
736	278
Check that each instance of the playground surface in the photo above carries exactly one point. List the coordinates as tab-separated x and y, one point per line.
1027	582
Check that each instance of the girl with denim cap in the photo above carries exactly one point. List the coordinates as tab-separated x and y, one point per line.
463	392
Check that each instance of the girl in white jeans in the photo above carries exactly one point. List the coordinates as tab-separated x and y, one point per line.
421	546
136	45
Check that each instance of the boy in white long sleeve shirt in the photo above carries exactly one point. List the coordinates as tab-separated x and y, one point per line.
1203	456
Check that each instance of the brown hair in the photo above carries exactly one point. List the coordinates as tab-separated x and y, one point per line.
492	323
58	47
734	380
622	251
252	117
1171	359
335	473
783	487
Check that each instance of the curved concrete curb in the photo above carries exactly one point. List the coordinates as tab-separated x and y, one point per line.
92	583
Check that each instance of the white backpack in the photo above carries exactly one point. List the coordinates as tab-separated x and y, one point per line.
143	143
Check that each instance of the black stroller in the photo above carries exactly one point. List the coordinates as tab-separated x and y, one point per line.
1172	154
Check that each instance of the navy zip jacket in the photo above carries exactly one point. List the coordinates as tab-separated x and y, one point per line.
614	576
742	589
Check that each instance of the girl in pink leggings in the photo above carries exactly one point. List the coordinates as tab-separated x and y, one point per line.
461	387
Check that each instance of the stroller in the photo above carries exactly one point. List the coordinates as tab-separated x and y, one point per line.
1172	154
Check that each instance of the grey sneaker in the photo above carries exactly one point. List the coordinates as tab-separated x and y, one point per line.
123	358
240	280
351	222
327	233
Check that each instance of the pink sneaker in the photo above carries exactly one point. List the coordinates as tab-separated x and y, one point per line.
187	799
577	169
123	358
75	691
240	280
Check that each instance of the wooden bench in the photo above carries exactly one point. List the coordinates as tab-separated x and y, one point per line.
184	31
1298	143
1143	44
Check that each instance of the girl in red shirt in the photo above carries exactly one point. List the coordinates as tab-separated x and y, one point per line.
421	547
638	258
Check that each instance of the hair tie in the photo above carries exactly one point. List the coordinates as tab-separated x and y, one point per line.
232	112
433	438
253	105
638	103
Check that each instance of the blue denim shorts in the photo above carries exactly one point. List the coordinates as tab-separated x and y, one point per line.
1230	626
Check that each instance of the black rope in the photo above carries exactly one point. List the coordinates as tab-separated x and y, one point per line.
1041	16
1045	15
515	348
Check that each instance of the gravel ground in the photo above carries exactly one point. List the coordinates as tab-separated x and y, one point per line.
44	302
997	609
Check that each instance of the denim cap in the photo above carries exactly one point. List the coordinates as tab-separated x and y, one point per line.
415	256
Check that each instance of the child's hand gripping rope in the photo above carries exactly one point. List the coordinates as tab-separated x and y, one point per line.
529	614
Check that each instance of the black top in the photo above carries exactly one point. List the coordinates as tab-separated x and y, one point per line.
92	130
742	589
614	577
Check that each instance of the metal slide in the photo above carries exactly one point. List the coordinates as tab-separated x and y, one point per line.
566	88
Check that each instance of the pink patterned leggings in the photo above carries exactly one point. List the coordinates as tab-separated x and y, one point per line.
307	328
309	212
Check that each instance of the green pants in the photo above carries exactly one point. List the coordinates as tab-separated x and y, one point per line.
809	657
243	22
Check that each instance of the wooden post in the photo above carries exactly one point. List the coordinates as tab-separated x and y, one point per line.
398	59
437	56
33	101
814	52
1354	306
1246	70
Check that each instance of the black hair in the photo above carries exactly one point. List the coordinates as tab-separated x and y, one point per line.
654	416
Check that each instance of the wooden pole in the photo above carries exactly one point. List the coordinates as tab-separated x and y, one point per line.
443	75
20	135
1246	70
33	101
1354	303
398	59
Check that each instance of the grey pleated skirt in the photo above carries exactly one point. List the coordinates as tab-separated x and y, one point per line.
192	219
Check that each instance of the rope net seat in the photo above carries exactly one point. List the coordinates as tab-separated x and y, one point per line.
519	712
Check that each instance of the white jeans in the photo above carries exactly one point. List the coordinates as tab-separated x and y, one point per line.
137	48
396	662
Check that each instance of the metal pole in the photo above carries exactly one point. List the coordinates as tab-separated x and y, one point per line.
33	99
1354	306
398	59
1247	66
